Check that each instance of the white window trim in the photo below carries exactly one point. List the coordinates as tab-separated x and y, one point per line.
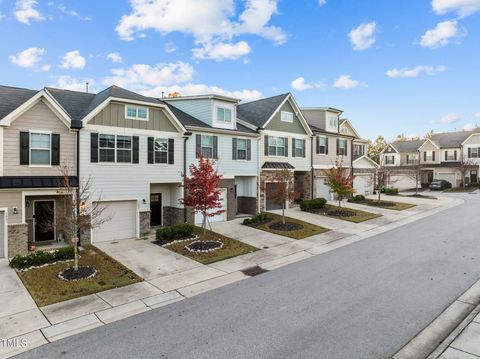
246	150
326	146
287	114
276	146
224	109
202	146
390	164
124	149
344	147
154	150
304	151
105	163
136	117
41	132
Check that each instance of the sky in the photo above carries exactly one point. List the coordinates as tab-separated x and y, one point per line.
393	66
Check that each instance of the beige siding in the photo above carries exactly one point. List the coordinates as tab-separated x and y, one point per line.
276	124
323	161
12	199
41	118
428	146
114	115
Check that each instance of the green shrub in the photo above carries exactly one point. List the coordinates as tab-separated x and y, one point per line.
41	257
391	191
172	233
313	204
256	219
357	198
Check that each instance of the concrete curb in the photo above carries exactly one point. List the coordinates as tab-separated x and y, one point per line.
432	340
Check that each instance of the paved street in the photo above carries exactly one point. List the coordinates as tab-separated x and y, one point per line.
365	300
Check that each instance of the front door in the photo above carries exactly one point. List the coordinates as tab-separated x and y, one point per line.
270	202
44	214
430	176
473	176
156	209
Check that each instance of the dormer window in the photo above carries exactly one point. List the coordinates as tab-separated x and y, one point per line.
224	115
332	121
344	130
136	113
287	116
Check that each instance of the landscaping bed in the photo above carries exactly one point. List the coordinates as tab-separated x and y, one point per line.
207	248
347	214
413	195
293	228
46	287
397	206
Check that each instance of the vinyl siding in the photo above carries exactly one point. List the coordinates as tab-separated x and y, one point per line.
315	117
323	161
41	118
276	124
199	108
12	199
473	141
226	166
428	146
114	115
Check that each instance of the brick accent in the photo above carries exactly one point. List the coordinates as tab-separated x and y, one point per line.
17	239
144	222
172	215
303	184
247	205
268	176
229	184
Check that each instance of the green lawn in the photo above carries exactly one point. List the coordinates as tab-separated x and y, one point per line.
360	216
308	229
396	206
46	288
231	248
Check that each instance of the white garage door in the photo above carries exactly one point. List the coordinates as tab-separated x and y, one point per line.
401	182
450	177
122	223
321	189
363	184
2	235
220	217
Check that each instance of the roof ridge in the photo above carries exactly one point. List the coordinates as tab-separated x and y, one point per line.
69	90
265	98
18	88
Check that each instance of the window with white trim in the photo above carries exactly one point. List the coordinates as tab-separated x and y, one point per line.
224	115
106	148
332	121
276	146
322	145
241	149
161	150
474	152
207	146
286	116
358	150
389	159
40	148
342	147
136	112
344	130
299	148
124	149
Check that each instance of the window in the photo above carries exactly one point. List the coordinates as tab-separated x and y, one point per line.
342	147
299	148
358	150
161	150
323	145
136	113
412	159
124	149
450	155
332	121
428	156
106	148
390	160
344	130
473	152
241	149
207	146
287	116
40	149
276	146
224	115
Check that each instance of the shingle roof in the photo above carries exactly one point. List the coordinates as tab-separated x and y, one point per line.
258	112
451	139
409	146
278	166
13	97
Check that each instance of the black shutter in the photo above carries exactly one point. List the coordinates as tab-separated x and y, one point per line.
198	146
455	155
469	153
93	147
318	145
135	147
293	147
234	148
55	159
326	145
433	156
171	151
338	146
150	150
304	148
249	150
446	155
24	148
285	141
215	147
266	145
346	148
425	156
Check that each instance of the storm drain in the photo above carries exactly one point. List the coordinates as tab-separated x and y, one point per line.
253	271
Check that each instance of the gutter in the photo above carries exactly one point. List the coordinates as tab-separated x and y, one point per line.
187	136
312	140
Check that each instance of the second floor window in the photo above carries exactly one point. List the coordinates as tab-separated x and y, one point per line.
287	116
429	156
161	150
323	145
390	160
299	148
136	113
224	115
451	155
106	148
412	159
332	121
473	152
207	146
358	150
342	147
124	149
241	149
276	146
40	149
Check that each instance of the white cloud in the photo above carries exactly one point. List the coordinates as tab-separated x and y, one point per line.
170	47
322	2
363	36
28	58
73	60
442	34
73	13
346	82
25	11
222	51
461	7
470	127
450	118
416	71
115	57
477	115
300	84
71	83
209	22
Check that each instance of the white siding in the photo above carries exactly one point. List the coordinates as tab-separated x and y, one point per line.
472	142
199	108
246	186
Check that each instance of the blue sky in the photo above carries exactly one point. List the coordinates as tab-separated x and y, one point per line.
395	66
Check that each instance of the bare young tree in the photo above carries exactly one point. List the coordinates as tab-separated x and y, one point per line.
416	174
464	166
383	178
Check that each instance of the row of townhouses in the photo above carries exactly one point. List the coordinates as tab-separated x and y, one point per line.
450	156
135	148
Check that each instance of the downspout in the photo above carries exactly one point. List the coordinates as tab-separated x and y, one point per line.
187	136
312	140
78	183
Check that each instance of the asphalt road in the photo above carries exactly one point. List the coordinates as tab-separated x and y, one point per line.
365	300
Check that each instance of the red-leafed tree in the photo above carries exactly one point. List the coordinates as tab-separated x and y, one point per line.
283	191
201	187
339	181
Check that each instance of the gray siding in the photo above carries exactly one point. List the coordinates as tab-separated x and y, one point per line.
114	115
199	108
12	199
329	159
276	124
315	118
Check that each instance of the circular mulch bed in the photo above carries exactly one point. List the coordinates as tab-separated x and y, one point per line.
287	227
381	204
204	246
341	213
70	274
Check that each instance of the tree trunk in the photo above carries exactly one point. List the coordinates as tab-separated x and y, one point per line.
75	255
416	186
204	223
283	213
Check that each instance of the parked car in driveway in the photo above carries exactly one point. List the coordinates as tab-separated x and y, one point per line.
440	185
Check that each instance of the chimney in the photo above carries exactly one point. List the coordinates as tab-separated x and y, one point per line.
86	85
163	94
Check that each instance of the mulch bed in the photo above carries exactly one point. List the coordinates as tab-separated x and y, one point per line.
81	273
204	245
161	242
342	213
379	204
287	227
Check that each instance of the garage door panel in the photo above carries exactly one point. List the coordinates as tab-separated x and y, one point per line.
363	184
218	218
450	177
402	182
121	224
321	189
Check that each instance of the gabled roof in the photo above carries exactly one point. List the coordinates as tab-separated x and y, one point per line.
259	112
12	97
344	122
368	159
410	146
451	139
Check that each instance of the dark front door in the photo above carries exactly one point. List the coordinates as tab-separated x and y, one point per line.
473	176
156	209
270	204
44	214
430	176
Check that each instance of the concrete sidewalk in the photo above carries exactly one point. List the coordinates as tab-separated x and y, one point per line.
467	344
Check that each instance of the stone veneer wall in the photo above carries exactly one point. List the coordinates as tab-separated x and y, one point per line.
172	215
144	223
303	184
247	205
17	239
268	176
